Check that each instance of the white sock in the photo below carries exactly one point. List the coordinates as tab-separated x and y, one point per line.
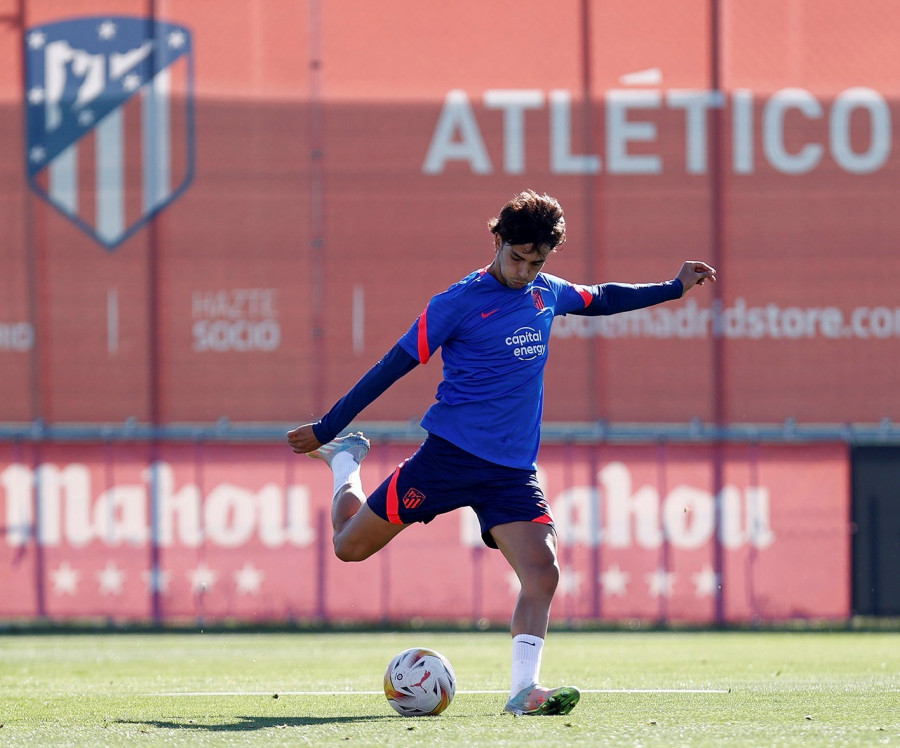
346	473
526	662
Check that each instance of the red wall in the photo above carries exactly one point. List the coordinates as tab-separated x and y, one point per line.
346	159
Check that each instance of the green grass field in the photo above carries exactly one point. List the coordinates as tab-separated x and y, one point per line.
646	689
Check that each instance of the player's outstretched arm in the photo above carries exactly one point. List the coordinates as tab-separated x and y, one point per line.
395	364
695	273
302	439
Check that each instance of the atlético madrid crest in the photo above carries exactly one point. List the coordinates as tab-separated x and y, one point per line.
109	120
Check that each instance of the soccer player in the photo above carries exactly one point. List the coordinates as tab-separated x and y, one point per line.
483	431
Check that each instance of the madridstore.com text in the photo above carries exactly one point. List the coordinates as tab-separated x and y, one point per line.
739	320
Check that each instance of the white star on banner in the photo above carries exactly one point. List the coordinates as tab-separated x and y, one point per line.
131	82
86	118
37	154
65	579
202	578
570	582
248	579
660	582
106	30
157	580
614	581
706	582
111	578
36	39
36	95
177	39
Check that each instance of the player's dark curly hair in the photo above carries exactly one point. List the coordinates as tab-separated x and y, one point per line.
530	218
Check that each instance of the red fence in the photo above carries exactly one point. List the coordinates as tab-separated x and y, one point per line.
215	532
337	164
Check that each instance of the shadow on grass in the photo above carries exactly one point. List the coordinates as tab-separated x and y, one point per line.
252	723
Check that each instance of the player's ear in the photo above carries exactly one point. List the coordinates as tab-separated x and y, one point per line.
498	242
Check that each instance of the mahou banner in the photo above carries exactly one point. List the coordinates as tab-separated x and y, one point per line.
211	533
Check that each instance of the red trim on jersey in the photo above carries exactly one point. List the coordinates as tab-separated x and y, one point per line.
544	519
585	294
393	501
424	353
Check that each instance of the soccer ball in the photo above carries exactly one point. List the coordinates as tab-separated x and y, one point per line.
419	682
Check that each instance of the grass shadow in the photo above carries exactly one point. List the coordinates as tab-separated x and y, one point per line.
241	724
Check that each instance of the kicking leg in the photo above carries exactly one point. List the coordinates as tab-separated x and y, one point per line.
358	531
530	548
344	456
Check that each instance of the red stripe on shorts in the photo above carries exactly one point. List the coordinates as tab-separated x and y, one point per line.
393	501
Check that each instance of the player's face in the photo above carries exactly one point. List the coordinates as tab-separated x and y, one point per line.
516	265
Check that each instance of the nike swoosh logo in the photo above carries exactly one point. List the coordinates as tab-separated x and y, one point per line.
485	315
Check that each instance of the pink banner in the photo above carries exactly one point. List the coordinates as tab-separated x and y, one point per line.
216	532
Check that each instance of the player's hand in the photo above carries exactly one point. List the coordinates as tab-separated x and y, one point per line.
302	439
695	273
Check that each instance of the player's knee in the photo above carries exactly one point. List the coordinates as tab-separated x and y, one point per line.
542	578
348	550
550	577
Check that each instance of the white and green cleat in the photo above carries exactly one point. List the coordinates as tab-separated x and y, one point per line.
543	701
355	444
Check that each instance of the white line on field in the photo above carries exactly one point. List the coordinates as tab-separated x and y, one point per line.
270	694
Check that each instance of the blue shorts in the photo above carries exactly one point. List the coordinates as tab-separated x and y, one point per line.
441	477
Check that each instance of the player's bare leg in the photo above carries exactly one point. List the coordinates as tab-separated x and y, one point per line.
344	456
530	548
358	531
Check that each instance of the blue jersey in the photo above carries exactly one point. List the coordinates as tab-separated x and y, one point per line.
494	342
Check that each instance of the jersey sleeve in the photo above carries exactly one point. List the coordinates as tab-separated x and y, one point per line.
571	298
614	298
395	364
432	327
